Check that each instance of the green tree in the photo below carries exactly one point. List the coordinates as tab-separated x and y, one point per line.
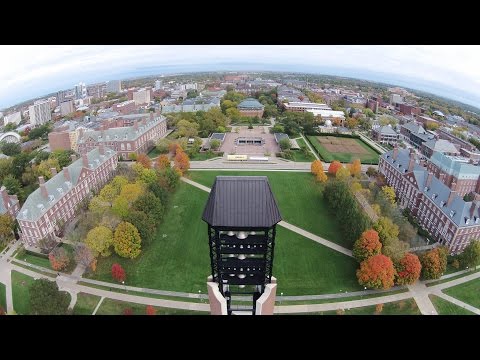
470	256
387	230
120	207
46	299
5	168
151	205
187	129
118	182
233	113
163	146
10	149
284	144
127	240
99	240
343	174
108	193
7	225
45	168
145	224
11	184
215	144
389	193
64	157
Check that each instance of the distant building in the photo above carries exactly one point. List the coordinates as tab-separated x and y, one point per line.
408	109
59	140
328	114
158	85
414	134
438	145
300	106
426	120
14	118
80	90
251	107
114	86
395	98
56	200
40	112
8	203
97	91
444	134
67	107
125	107
385	135
141	97
373	105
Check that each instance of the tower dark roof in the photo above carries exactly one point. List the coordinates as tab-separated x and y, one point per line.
250	103
241	201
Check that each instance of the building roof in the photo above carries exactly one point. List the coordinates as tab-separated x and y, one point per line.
414	128
36	205
218	136
250	103
440	145
456	166
327	113
241	202
280	136
386	130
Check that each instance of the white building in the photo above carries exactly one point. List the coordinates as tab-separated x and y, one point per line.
301	106
395	98
141	97
40	112
114	86
80	90
328	114
14	118
67	107
158	85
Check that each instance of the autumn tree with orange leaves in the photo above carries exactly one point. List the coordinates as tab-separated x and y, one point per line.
174	147
321	177
150	310
59	259
163	162
334	167
355	168
434	263
118	273
145	161
367	245
182	162
408	269
377	272
316	167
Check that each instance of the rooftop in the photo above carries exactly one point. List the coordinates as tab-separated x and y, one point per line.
250	103
455	166
443	146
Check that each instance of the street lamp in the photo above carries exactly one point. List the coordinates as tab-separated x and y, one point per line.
123	282
199	293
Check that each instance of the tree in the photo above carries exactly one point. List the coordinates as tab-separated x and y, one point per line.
284	144
408	269
174	148
150	310
367	245
144	160
316	167
11	184
118	274
5	168
182	162
10	149
163	145
118	182
434	263
108	193
46	299
127	241
169	179
163	162
396	250
387	230
151	205
131	192
59	259
352	123
45	168
277	129
368	112
83	255
233	113
371	171
187	129
215	144
470	256
148	176
378	309
98	206
342	174
389	193
334	167
120	207
355	168
64	157
321	177
145	224
377	272
7	225
99	240
128	311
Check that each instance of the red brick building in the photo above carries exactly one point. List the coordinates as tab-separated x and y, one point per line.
125	107
59	140
56	200
407	109
137	139
8	203
251	107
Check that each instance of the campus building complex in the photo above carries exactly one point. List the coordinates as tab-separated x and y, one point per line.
439	208
136	139
56	200
40	112
250	107
8	203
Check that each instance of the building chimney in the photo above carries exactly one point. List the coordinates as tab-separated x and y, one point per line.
5	198
450	197
473	207
442	177
74	157
43	189
395	152
101	149
66	174
429	179
85	160
411	162
53	171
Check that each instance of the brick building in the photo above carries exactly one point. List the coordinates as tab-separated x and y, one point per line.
8	203
427	121
439	209
414	134
59	140
408	109
138	139
385	135
443	134
429	147
56	200
251	107
125	107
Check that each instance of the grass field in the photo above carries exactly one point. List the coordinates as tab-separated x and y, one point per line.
445	307
298	154
180	260
201	156
3	298
467	292
299	198
369	157
86	304
402	307
116	307
20	292
153	153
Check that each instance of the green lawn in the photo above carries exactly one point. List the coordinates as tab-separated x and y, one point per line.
3	298
445	307
35	260
20	292
299	198
116	307
86	304
370	158
201	156
298	154
468	292
180	261
153	153
402	307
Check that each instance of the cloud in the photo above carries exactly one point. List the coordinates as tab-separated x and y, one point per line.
30	71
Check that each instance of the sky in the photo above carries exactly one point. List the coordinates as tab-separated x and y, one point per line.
32	71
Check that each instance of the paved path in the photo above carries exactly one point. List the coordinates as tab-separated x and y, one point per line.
98	305
310	147
420	294
372	144
458	281
291	227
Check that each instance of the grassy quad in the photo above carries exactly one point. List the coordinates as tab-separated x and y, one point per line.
299	198
116	307
370	158
86	304
445	307
467	292
178	259
3	298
